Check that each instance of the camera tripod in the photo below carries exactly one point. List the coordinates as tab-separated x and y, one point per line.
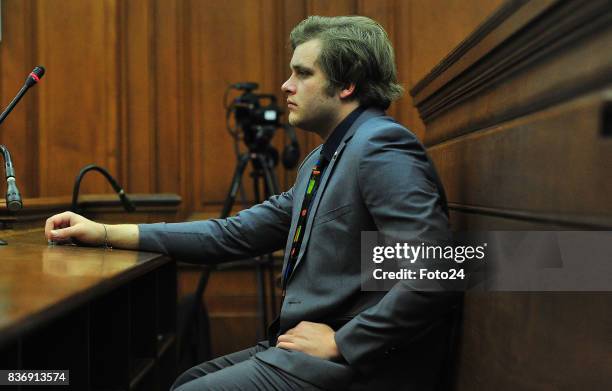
262	173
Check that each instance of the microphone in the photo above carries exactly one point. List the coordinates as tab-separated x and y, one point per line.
128	205
33	78
13	198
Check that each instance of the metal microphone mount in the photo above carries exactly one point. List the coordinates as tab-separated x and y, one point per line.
13	198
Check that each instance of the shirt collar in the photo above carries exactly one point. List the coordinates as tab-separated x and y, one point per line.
334	139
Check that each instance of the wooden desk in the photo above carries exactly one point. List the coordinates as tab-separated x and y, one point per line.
109	316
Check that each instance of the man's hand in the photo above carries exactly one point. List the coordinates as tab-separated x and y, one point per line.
316	339
68	225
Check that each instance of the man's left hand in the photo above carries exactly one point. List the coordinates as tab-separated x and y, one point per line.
316	339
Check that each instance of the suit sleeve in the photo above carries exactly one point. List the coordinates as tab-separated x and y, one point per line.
258	230
400	188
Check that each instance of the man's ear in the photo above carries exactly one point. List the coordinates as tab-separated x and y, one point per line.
347	91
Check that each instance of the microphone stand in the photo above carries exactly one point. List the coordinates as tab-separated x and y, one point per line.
128	205
13	198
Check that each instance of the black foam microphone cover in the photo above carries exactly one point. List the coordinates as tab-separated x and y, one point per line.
39	71
35	76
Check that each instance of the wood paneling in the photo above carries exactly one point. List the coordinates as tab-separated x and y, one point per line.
231	55
531	341
515	119
331	8
434	29
526	73
138	86
564	143
516	124
16	60
456	18
73	112
139	92
384	13
167	56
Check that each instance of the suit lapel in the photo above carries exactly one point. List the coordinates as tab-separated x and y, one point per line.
366	115
299	193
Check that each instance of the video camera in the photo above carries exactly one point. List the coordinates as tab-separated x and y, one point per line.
258	116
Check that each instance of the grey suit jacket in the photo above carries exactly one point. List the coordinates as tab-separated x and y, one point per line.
380	179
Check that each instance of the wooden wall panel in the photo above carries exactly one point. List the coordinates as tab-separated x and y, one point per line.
237	57
153	113
384	13
74	114
535	341
436	28
565	143
170	132
332	8
505	93
404	37
291	13
17	54
186	107
516	123
256	52
139	125
440	26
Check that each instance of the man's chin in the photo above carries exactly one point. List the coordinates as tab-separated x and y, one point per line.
294	121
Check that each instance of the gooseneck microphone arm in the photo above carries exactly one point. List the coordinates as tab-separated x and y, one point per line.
33	78
14	102
128	205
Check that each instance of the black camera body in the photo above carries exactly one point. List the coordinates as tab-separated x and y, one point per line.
257	120
258	115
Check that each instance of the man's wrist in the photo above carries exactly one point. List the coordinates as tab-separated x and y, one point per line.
106	241
124	236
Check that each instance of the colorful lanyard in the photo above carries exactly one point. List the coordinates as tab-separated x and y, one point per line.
311	190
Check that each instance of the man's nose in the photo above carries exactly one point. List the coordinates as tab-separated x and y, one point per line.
288	87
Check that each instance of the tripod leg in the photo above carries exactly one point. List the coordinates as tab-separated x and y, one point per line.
271	186
271	182
193	317
262	309
231	196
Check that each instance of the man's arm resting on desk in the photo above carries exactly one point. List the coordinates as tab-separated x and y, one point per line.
68	225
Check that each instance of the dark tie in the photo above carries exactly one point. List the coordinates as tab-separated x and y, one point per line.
311	190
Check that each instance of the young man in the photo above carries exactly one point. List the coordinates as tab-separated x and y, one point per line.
371	174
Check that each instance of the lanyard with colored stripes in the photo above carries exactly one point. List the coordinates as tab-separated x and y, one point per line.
313	184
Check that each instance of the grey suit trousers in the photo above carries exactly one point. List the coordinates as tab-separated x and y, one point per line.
239	371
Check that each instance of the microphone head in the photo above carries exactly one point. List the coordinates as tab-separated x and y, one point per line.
35	76
39	71
13	198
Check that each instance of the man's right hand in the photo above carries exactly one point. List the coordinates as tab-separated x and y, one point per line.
68	225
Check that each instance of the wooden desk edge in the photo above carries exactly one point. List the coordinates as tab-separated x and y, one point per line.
17	329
